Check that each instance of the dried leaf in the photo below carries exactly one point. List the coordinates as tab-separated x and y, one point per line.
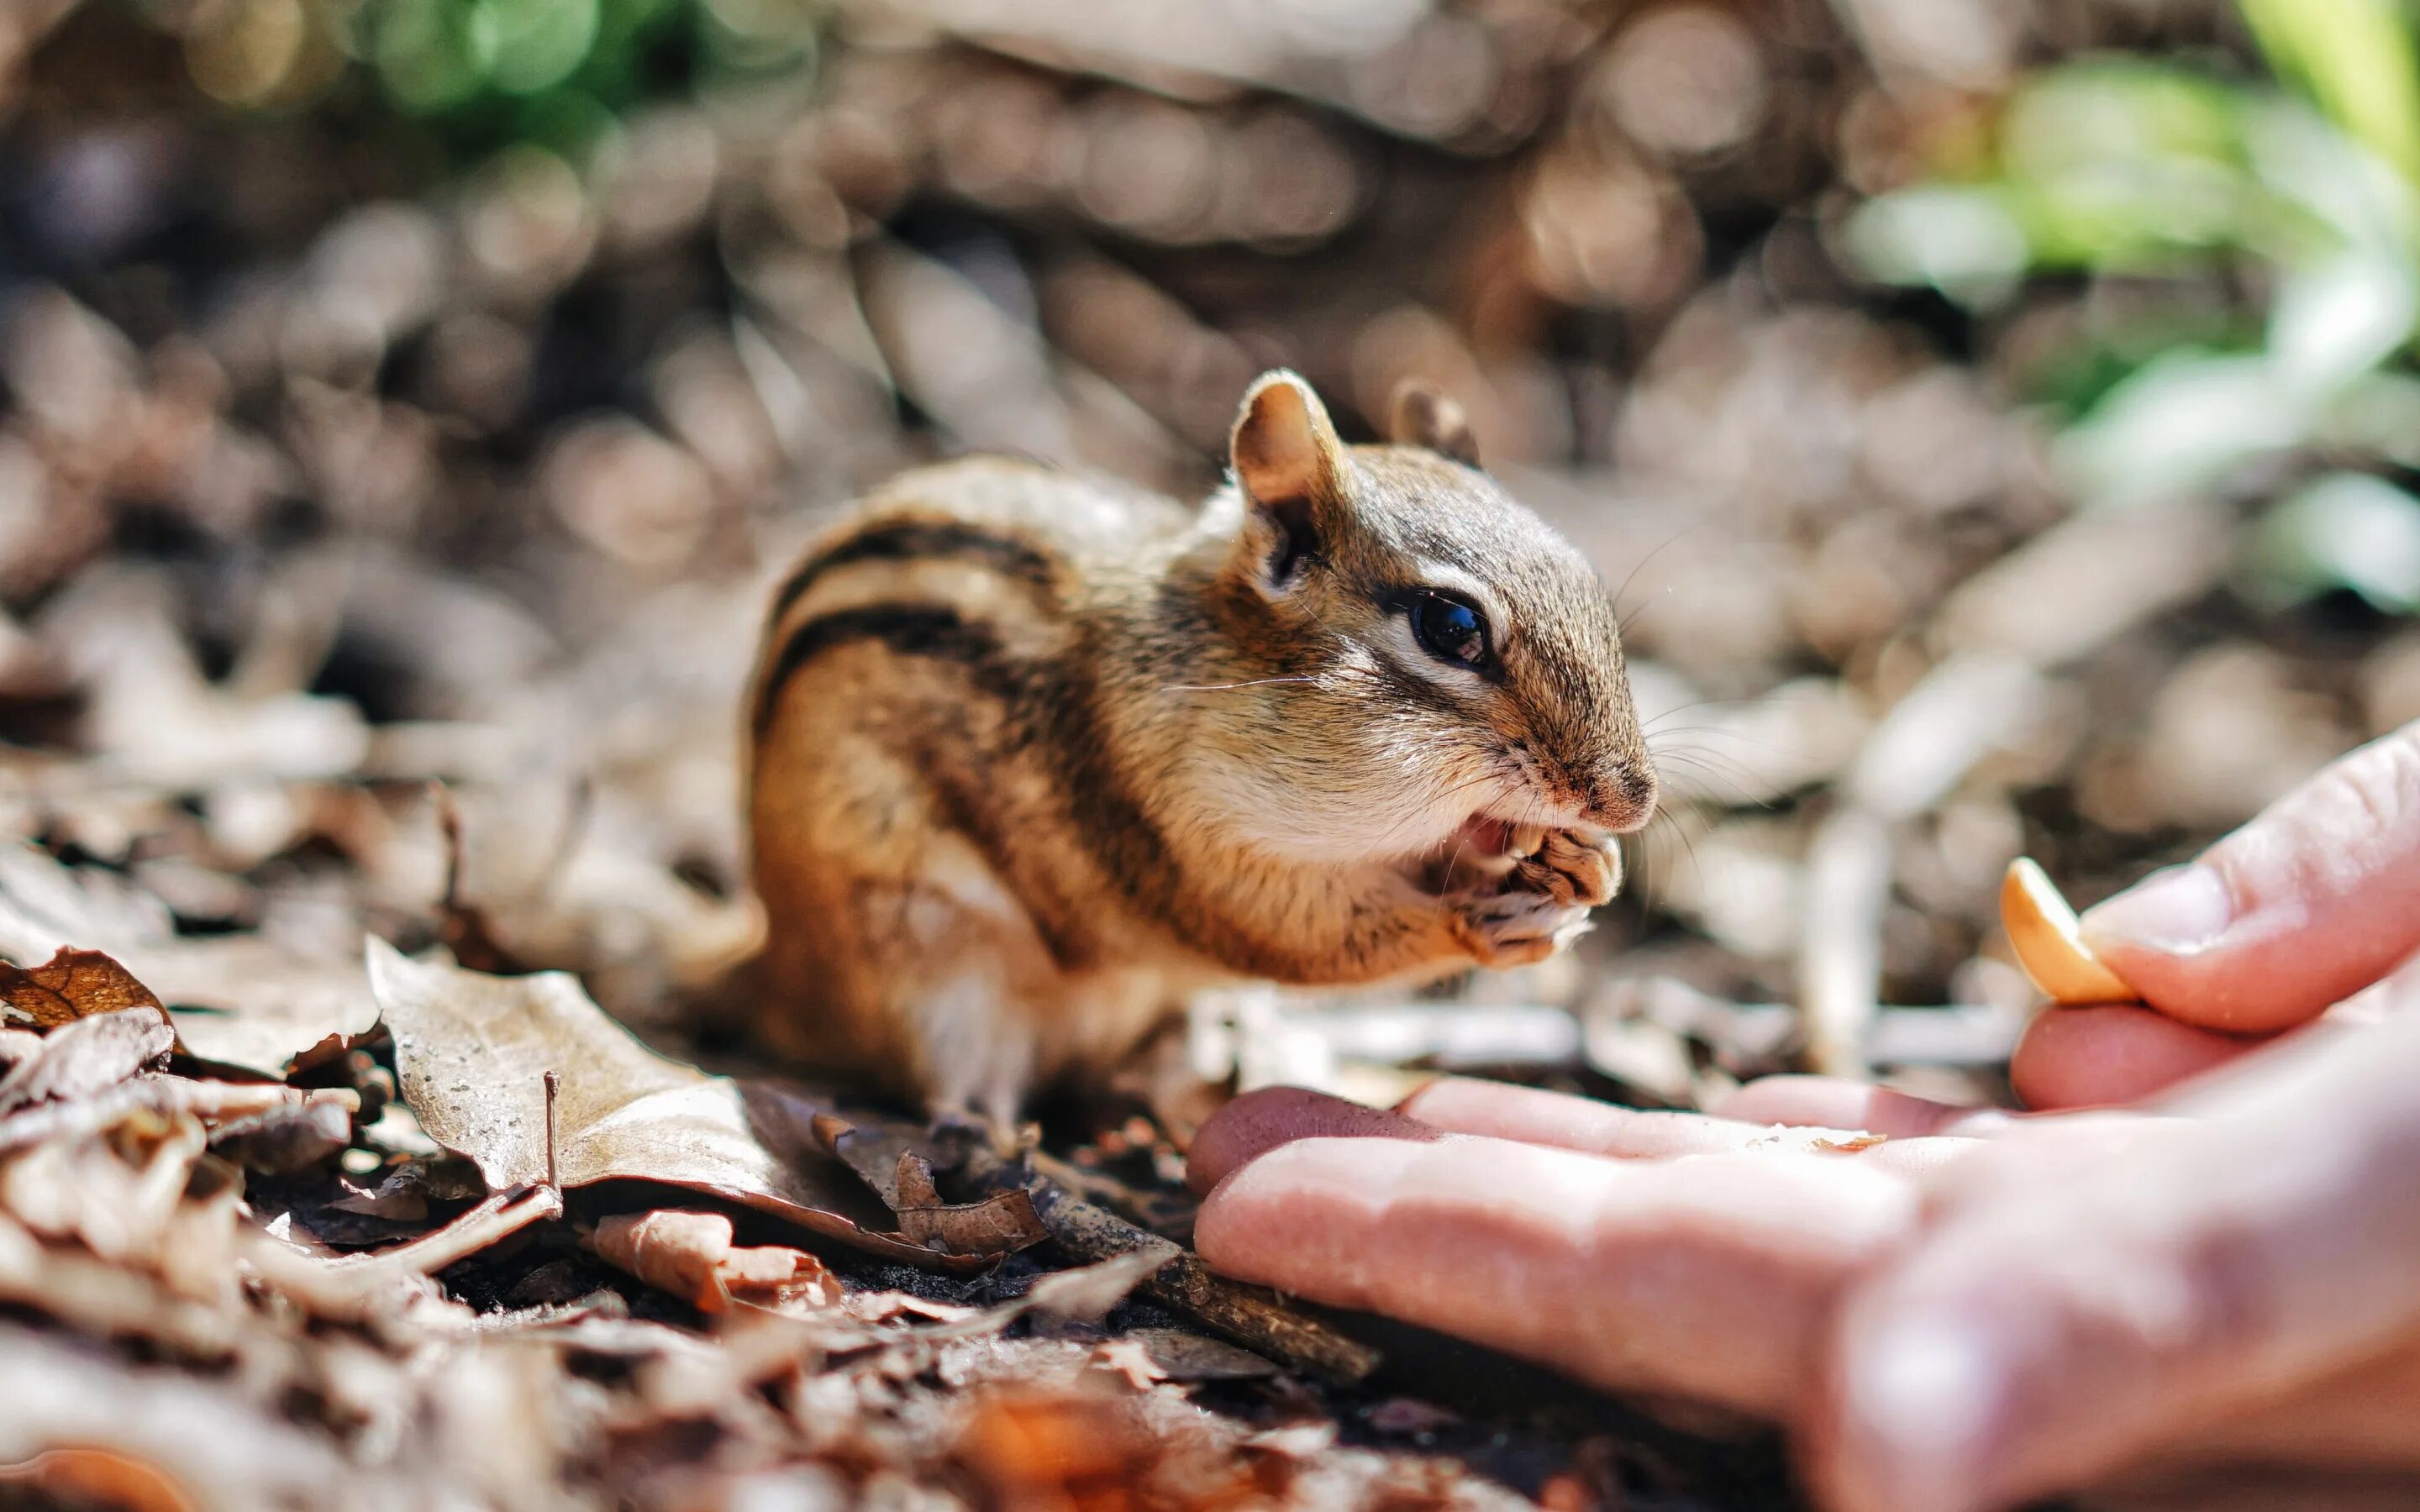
405	1191
1037	1451
1087	1292
1179	1354
1129	1358
1849	1146
471	1052
292	1137
882	1306
89	1055
1001	1224
244	1001
98	1478
898	1162
239	1000
71	985
691	1255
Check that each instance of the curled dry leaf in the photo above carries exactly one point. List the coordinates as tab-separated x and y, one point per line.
2049	941
898	1162
691	1255
71	985
473	1051
1850	1144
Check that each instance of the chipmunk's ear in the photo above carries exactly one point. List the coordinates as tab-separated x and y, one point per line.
1291	465
1424	417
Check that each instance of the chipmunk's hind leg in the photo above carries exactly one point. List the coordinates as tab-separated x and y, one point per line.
979	1048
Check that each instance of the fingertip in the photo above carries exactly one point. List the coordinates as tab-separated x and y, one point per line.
1258	1121
2080	1058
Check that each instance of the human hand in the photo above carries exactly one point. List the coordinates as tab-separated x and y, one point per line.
2296	912
1993	1307
1980	1310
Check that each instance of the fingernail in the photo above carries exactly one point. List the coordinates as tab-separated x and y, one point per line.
1929	1396
2180	911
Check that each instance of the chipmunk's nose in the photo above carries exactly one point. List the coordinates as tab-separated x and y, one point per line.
1622	796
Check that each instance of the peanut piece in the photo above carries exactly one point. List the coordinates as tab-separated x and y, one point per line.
2049	941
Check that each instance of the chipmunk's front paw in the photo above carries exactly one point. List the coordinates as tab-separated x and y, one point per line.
1517	926
1573	867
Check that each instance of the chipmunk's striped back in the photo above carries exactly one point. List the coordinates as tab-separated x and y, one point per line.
926	679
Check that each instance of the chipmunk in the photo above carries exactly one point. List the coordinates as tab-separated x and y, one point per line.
1034	757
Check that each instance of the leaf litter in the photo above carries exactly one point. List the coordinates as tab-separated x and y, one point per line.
472	1052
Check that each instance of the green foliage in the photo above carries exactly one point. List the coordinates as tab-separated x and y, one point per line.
2309	187
483	74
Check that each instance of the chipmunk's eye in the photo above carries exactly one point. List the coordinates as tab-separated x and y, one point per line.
1451	630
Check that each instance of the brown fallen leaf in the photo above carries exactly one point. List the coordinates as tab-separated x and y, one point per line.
71	985
472	1052
1086	1294
1851	1145
897	1161
691	1255
87	1055
1181	1355
98	1478
1031	1451
289	1137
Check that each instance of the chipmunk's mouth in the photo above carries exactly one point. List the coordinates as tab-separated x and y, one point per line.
1480	837
1481	846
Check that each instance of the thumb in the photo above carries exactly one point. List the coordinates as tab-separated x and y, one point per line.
2311	901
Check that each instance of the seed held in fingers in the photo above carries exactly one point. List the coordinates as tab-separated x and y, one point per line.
2049	941
1524	840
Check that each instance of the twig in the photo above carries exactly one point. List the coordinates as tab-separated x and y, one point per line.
498	1216
449	830
553	1084
349	1288
1250	1315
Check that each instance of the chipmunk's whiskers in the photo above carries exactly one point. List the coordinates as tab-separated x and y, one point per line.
1221	687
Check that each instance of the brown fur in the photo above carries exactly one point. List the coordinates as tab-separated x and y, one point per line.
1035	757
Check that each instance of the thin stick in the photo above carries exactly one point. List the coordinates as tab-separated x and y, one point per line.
1250	1315
553	1084
449	830
352	1287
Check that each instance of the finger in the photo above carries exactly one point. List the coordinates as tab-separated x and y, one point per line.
1498	1110
2309	903
1261	1121
2094	1288
2080	1058
1705	1278
1838	1102
1502	1111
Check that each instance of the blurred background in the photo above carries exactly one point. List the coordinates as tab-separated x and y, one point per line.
1997	414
